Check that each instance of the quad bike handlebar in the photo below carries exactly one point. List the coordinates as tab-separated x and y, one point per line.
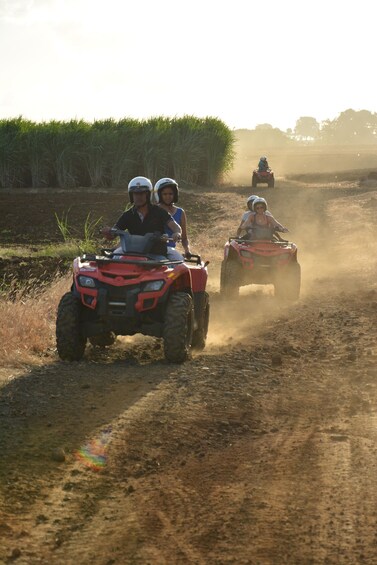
112	233
276	238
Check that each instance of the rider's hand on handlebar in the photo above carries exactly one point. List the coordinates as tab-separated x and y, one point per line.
176	236
107	233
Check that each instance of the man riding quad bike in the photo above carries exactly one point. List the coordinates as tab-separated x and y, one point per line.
129	291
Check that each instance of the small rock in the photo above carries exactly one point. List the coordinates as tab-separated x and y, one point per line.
58	455
68	486
276	359
16	553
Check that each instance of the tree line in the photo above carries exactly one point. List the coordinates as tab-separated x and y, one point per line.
351	127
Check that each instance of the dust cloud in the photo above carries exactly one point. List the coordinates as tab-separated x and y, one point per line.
331	224
330	162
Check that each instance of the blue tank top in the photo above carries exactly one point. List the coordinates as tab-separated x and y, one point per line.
177	216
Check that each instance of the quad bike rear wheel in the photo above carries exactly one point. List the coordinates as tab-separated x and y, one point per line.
271	182
254	181
70	342
288	283
201	304
230	279
178	327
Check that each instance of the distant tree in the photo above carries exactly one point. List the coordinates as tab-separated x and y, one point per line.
263	126
261	139
351	127
307	127
270	137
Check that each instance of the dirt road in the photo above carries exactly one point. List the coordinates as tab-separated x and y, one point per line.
261	450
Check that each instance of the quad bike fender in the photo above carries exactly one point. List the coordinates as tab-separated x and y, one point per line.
263	175
199	276
179	280
233	251
226	249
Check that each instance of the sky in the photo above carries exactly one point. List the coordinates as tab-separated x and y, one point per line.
242	61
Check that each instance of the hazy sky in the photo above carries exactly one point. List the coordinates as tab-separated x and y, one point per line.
244	62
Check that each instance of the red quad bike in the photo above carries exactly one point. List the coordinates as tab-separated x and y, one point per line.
133	292
260	177
262	261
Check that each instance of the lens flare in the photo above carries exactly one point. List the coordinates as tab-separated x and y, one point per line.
93	454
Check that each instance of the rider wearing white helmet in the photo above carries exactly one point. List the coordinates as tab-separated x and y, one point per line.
245	215
166	182
166	193
144	217
260	225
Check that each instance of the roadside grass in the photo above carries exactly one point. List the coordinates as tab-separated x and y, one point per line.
27	333
66	250
28	310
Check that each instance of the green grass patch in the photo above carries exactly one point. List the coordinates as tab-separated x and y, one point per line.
66	250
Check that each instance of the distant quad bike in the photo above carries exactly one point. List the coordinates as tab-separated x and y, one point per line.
256	261
129	292
260	177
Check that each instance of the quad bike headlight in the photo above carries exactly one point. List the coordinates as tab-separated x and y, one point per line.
153	286
88	282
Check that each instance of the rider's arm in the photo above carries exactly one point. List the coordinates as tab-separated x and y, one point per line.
185	241
175	228
239	230
121	224
276	224
247	222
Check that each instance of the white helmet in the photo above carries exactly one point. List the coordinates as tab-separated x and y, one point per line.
139	184
263	158
250	200
163	183
259	200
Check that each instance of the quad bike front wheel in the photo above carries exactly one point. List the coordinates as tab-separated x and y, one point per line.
178	327
254	181
201	308
230	279
70	343
271	182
